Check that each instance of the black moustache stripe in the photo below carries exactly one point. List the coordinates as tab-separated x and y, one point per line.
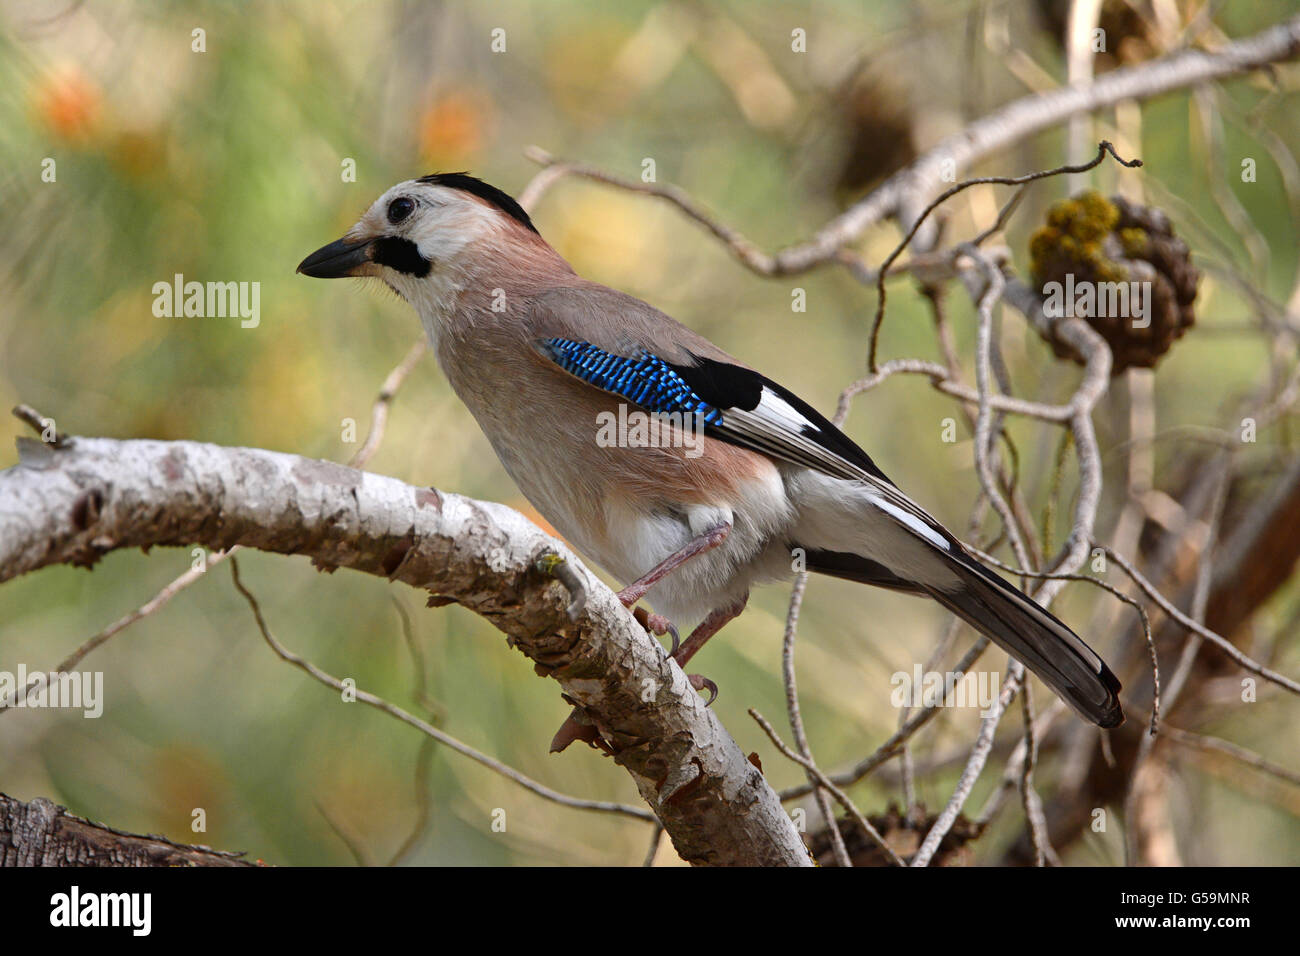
401	255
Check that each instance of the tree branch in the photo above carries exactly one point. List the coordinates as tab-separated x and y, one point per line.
41	833
906	193
75	503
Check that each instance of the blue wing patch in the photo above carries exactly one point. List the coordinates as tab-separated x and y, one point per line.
644	379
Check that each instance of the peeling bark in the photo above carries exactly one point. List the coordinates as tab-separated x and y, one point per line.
74	503
43	834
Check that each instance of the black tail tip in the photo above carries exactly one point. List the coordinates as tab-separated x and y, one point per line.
1113	715
1112	718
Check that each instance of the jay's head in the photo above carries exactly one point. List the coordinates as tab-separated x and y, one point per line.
423	229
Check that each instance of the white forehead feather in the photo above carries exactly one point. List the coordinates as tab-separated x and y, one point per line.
444	221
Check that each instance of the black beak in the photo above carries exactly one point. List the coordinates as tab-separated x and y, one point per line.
338	259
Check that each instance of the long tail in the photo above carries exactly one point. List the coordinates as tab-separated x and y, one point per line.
1010	619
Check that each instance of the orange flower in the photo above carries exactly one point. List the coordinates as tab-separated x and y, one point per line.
453	129
69	103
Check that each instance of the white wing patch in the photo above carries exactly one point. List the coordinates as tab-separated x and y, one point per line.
913	522
774	408
777	428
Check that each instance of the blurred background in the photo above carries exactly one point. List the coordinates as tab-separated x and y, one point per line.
226	165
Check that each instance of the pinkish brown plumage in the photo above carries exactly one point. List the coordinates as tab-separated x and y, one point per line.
757	481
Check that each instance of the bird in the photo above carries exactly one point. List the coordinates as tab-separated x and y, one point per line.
747	483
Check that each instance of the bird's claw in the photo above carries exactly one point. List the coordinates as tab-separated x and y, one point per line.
670	629
658	625
580	729
552	565
701	683
575	729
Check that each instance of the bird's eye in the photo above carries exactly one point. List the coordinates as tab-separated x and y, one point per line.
399	209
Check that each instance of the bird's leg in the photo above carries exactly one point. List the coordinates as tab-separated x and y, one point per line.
707	541
657	624
573	729
716	621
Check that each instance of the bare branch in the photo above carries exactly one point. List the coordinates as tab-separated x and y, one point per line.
74	504
378	423
821	780
442	737
41	833
1102	149
907	191
387	391
1208	744
796	719
1184	621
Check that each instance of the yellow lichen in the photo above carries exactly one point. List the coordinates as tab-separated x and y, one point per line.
1063	213
1098	216
1134	241
1075	230
1041	244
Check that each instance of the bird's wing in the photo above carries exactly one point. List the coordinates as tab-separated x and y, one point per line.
649	360
739	405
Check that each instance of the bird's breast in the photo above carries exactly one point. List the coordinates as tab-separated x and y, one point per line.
624	488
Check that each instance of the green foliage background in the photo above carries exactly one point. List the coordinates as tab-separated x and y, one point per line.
225	165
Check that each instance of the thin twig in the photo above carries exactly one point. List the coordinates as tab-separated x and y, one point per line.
1143	618
656	835
446	739
970	772
350	839
1209	744
1029	797
155	603
824	781
379	411
378	422
1200	598
39	423
1102	149
796	719
424	756
1008	125
894	744
1187	623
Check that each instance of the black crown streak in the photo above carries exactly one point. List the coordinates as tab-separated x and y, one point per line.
401	255
476	187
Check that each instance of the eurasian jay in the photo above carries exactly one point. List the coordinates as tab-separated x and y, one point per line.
756	480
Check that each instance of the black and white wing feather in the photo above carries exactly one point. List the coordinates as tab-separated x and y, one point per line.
740	406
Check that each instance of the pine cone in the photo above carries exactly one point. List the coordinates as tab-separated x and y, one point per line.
1130	31
1120	268
879	127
